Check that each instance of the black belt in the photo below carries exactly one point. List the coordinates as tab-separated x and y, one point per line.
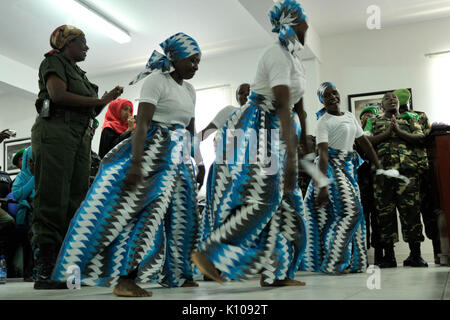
72	116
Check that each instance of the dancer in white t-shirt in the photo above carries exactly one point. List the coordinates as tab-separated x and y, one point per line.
139	221
223	115
335	224
207	218
258	204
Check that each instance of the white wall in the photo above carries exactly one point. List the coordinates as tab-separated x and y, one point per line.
385	59
18	75
392	58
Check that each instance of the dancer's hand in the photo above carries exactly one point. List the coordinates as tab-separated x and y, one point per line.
289	175
200	175
133	178
322	197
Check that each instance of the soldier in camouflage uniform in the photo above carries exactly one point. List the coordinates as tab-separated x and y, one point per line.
365	182
394	139
428	202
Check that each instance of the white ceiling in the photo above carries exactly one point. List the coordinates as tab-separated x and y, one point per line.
220	26
331	17
7	89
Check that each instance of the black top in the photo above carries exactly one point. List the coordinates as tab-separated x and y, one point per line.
109	139
5	184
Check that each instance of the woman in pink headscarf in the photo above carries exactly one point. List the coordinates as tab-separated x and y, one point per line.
118	121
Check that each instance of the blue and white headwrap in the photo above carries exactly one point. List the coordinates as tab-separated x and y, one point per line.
283	15
320	93
177	47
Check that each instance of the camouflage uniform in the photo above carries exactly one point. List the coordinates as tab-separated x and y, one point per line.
396	153
427	203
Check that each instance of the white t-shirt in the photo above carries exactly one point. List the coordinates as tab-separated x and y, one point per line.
175	104
339	132
223	115
278	67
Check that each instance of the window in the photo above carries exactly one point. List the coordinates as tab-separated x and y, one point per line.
208	103
440	104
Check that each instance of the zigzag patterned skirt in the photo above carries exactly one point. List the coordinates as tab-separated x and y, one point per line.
249	225
337	232
152	230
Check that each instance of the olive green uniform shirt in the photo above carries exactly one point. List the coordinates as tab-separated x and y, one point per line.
75	79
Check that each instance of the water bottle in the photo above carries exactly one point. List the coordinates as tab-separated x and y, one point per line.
2	270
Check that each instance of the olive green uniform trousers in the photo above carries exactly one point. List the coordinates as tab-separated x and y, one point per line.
61	151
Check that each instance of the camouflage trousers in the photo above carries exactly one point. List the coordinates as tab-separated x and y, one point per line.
395	194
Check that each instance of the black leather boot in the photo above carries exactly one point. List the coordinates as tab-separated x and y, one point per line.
437	251
378	255
415	259
389	257
45	263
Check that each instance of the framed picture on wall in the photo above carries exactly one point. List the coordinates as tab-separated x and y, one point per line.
358	102
10	147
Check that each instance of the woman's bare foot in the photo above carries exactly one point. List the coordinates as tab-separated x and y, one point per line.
205	266
128	288
189	283
283	283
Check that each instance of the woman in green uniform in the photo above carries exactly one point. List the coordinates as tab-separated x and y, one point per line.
67	104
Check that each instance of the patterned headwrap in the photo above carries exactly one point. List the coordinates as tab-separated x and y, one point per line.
371	109
62	35
283	15
320	93
178	47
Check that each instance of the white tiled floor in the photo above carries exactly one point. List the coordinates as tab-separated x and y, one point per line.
396	284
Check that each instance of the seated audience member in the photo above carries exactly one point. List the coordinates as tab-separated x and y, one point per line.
17	158
118	120
24	191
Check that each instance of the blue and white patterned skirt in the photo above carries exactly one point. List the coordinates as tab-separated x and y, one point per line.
336	232
251	226
153	229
